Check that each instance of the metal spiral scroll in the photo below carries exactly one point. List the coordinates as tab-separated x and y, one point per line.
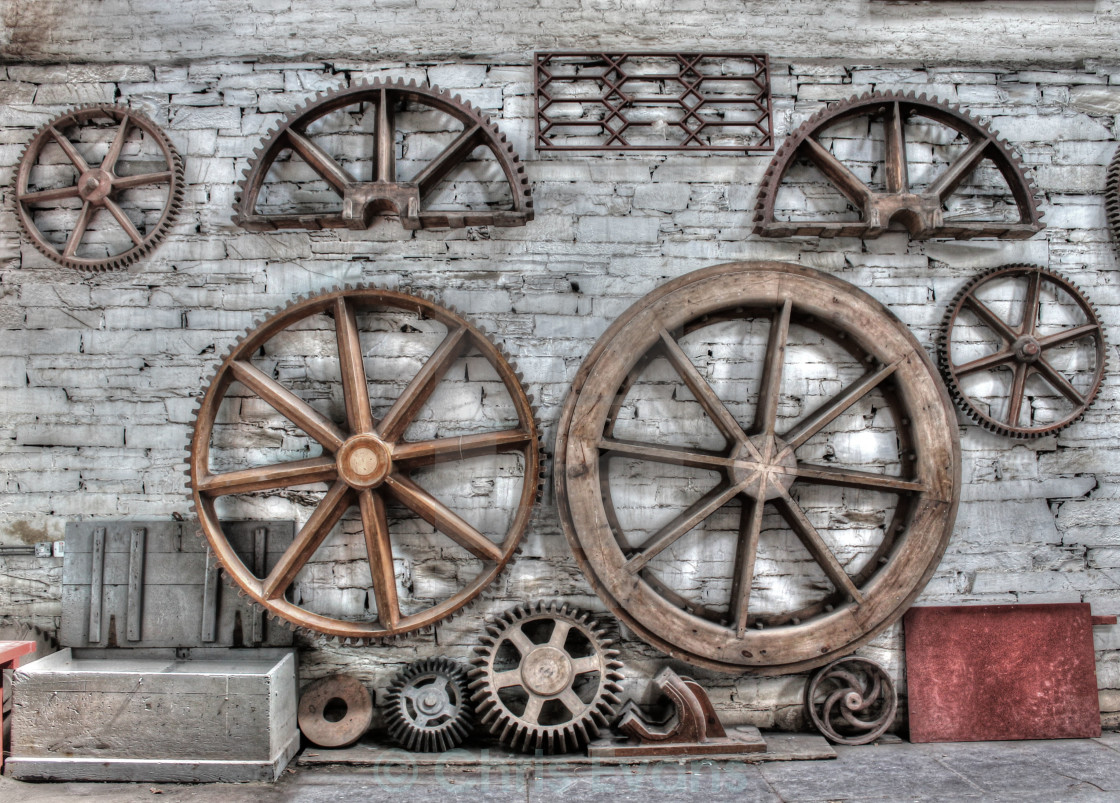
851	701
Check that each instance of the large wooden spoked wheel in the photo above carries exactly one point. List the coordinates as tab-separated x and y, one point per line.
365	463
759	465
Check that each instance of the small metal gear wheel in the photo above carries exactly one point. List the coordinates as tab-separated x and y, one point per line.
427	708
335	711
851	701
360	202
363	461
1112	196
919	208
545	678
1022	351
71	184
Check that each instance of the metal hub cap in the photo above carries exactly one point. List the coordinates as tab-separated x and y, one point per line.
1027	349
546	671
95	186
364	461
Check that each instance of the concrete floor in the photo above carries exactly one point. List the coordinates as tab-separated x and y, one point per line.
1022	772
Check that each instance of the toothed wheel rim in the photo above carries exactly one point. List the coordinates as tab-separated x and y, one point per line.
920	211
428	707
1112	196
545	678
1023	350
363	201
362	481
98	187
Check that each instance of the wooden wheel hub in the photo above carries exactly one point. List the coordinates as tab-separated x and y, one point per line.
766	468
364	461
546	671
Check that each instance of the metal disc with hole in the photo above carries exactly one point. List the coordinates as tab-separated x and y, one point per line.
335	711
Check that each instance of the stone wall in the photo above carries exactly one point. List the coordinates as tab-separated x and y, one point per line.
100	373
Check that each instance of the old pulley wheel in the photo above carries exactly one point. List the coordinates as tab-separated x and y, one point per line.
98	187
907	196
851	701
545	678
335	711
428	707
361	200
779	451
367	463
1023	351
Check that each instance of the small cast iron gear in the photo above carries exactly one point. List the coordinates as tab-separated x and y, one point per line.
363	201
362	463
545	678
851	701
920	211
98	187
1022	350
428	707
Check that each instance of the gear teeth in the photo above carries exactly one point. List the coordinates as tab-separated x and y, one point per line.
455	710
1112	196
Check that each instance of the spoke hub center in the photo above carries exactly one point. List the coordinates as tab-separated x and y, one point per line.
769	477
546	671
432	702
95	185
364	461
1027	349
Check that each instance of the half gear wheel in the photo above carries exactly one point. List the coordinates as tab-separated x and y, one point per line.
362	201
427	708
98	186
920	211
1112	196
364	463
1024	338
545	678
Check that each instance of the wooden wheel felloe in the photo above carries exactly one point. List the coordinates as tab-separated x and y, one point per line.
762	467
1031	316
138	155
365	462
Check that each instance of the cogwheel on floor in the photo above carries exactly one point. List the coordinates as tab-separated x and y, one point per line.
545	678
428	709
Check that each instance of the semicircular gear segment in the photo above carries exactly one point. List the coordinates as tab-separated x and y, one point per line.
428	707
897	198
98	187
364	198
388	450
545	678
1112	196
1022	351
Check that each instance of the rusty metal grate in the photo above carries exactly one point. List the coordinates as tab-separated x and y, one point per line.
653	102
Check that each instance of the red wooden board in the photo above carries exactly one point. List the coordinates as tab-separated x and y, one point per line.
991	672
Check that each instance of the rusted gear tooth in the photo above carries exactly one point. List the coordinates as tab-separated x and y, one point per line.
1112	196
428	707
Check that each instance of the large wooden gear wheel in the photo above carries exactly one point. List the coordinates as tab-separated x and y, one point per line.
761	467
364	462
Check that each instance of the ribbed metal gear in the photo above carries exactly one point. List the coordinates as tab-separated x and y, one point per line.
1112	196
199	483
428	707
97	186
1022	350
384	194
920	211
545	678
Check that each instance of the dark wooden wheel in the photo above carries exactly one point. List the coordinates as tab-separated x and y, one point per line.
761	467
365	463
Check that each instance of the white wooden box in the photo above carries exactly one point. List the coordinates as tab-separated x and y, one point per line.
147	715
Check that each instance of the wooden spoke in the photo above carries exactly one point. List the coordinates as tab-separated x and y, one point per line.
442	518
1031	303
422	386
307	540
293	408
507	679
281	475
1069	335
830	410
126	224
386	134
808	535
946	184
449	158
46	196
837	172
69	149
588	663
80	227
657	453
442	450
691	517
703	392
559	634
141	180
320	161
379	550
993	360
572	702
1060	383
110	160
750	528
769	393
990	319
533	708
1015	402
894	156
354	389
520	640
833	475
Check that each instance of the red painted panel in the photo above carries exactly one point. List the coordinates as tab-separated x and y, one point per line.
991	672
